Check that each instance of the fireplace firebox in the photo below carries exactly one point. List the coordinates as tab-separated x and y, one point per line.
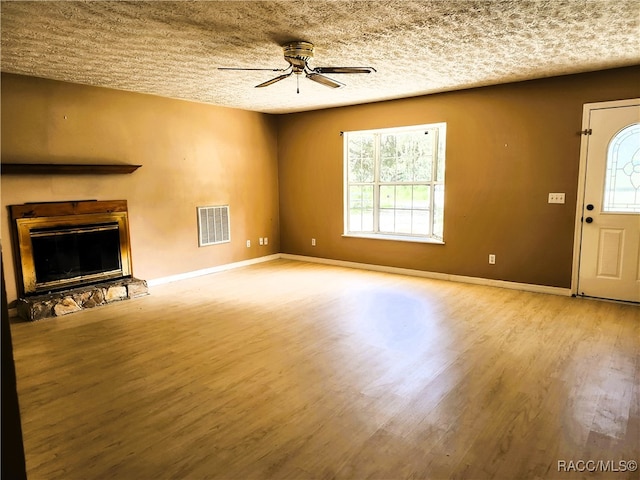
62	245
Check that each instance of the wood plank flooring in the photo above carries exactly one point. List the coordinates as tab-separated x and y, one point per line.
291	370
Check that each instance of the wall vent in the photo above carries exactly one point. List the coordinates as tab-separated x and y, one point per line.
213	225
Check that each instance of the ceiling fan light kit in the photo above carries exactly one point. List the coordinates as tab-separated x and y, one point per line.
297	54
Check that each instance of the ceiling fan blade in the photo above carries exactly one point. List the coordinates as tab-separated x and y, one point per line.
274	80
326	81
344	70
255	69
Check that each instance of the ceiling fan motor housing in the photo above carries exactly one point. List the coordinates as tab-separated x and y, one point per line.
297	54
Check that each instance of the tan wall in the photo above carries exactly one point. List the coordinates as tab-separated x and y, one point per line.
508	147
191	155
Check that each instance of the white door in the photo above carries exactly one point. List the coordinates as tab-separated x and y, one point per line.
609	265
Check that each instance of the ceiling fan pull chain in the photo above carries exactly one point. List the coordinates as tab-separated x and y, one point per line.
297	83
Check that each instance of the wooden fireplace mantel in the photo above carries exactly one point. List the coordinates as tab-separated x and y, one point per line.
56	209
65	168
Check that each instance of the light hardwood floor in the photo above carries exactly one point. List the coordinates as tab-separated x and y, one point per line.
294	370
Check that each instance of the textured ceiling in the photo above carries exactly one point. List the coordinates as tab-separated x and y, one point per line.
173	49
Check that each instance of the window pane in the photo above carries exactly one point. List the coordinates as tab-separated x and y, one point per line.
622	178
361	208
424	167
355	196
421	197
361	196
440	155
388	158
405	153
355	208
420	222
361	220
438	212
404	197
387	220
403	221
367	197
406	157
361	157
367	220
355	220
387	196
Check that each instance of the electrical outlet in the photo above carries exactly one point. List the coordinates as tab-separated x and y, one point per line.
266	240
556	198
492	259
261	241
313	242
248	243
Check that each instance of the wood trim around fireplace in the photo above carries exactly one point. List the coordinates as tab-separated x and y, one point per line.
64	215
54	209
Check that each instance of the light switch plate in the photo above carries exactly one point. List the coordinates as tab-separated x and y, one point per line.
556	198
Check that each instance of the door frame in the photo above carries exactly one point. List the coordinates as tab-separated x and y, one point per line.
582	178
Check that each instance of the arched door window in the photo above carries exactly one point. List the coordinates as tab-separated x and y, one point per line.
622	177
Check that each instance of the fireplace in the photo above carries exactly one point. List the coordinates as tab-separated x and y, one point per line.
63	245
63	255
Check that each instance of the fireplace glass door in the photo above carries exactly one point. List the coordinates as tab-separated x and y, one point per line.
86	251
67	251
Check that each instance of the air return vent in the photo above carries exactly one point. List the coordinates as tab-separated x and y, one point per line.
213	225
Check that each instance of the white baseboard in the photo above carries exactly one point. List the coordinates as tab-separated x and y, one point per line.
207	271
434	275
367	266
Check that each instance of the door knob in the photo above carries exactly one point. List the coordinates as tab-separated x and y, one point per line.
589	207
588	220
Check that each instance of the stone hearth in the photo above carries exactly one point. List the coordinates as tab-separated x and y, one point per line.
56	304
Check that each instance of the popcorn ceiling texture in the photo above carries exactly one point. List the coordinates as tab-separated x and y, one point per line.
173	49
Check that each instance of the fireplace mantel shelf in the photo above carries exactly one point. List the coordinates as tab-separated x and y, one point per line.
65	168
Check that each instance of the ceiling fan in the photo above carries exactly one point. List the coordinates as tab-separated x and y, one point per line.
297	54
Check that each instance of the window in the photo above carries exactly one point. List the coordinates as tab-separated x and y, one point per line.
394	183
622	183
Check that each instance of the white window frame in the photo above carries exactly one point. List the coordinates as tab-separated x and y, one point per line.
431	237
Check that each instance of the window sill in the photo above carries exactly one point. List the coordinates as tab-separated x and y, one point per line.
395	238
